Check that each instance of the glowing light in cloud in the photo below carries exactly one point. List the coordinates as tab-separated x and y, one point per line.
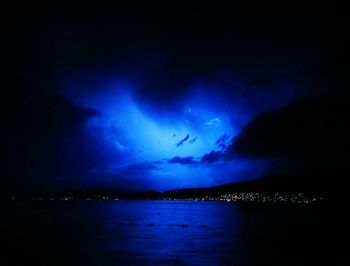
214	121
149	136
162	147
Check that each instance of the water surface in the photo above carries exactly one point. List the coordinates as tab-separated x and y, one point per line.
162	233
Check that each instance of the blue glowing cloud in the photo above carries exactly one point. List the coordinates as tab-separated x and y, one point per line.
144	134
178	146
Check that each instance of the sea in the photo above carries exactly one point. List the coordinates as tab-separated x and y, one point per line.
150	232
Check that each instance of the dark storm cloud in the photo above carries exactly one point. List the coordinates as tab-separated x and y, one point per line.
308	141
181	142
164	55
34	130
222	142
310	128
218	155
213	156
183	160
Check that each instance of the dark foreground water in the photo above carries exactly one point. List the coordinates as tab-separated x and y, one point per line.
166	233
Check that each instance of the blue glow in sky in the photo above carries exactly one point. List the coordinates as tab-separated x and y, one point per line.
193	131
159	147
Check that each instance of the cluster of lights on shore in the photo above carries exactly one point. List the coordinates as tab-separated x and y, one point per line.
259	197
300	198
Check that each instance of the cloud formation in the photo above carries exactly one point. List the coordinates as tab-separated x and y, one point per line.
181	142
182	160
212	156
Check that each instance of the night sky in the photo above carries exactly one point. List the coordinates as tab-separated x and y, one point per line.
142	96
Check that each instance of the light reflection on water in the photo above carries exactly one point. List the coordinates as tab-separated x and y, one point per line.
158	232
139	232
